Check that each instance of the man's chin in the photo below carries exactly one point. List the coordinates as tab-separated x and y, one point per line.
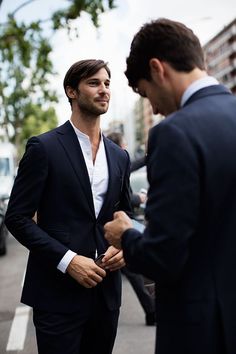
103	110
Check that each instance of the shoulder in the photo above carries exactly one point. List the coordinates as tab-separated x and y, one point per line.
175	132
114	148
50	136
117	155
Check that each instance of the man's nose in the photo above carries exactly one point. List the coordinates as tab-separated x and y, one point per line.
103	88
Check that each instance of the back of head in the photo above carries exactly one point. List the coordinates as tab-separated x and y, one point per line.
82	70
168	41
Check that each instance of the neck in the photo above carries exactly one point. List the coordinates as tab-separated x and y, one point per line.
182	81
88	125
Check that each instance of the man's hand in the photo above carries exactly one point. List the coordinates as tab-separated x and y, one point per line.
113	259
114	229
85	271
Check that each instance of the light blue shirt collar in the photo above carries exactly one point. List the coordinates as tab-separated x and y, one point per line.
196	86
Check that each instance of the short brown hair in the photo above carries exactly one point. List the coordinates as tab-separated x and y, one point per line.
82	70
168	41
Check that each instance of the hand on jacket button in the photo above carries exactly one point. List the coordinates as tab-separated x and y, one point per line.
85	271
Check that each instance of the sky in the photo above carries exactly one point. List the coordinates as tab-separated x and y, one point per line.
111	42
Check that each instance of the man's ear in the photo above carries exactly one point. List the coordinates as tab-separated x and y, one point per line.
71	93
156	69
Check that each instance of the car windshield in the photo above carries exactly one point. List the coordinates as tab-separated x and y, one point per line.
138	180
4	166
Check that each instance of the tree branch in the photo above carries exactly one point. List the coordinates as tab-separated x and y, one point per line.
20	7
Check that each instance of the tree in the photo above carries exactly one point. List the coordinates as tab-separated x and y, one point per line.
37	121
26	68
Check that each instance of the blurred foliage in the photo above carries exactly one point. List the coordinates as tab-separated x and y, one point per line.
37	121
25	72
26	69
62	18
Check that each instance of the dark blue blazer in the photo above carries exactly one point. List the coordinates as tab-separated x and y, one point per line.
53	180
189	245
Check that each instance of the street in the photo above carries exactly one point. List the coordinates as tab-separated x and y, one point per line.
16	328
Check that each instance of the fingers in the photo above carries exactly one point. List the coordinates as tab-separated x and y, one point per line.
119	214
112	239
115	229
110	252
114	262
85	271
115	266
91	280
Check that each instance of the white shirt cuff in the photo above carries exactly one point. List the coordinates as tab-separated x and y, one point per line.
65	261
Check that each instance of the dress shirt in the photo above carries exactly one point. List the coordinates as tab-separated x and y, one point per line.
98	176
196	86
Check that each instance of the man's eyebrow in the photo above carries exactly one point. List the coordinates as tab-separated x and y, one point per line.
97	79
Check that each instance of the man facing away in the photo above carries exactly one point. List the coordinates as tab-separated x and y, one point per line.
74	178
188	246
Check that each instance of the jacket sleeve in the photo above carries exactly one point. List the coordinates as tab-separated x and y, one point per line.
172	208
24	201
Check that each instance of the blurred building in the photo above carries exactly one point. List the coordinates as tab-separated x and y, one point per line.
144	119
220	53
115	126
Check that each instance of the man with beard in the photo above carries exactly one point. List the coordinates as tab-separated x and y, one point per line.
74	178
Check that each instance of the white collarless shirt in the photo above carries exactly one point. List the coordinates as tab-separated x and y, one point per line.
98	176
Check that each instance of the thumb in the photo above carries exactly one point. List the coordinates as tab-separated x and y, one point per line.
117	214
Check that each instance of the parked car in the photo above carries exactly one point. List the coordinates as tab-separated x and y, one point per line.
7	168
3	229
139	184
138	180
7	176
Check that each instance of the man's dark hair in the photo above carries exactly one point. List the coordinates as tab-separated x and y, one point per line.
167	41
82	70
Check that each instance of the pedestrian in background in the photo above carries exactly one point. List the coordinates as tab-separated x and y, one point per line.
137	198
189	244
145	297
74	178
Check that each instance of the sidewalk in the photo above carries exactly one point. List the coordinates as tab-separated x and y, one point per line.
133	336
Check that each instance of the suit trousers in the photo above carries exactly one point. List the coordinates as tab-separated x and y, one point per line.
137	281
77	333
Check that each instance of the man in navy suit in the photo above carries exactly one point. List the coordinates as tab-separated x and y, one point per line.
75	179
189	244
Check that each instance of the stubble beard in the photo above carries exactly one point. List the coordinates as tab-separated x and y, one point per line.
89	108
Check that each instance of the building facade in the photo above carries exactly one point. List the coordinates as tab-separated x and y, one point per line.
220	54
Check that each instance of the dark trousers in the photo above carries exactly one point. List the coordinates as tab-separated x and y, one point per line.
137	281
76	333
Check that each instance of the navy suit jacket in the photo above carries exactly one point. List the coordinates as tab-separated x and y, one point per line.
53	180
189	244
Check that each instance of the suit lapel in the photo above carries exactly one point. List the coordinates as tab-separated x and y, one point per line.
69	140
112	171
